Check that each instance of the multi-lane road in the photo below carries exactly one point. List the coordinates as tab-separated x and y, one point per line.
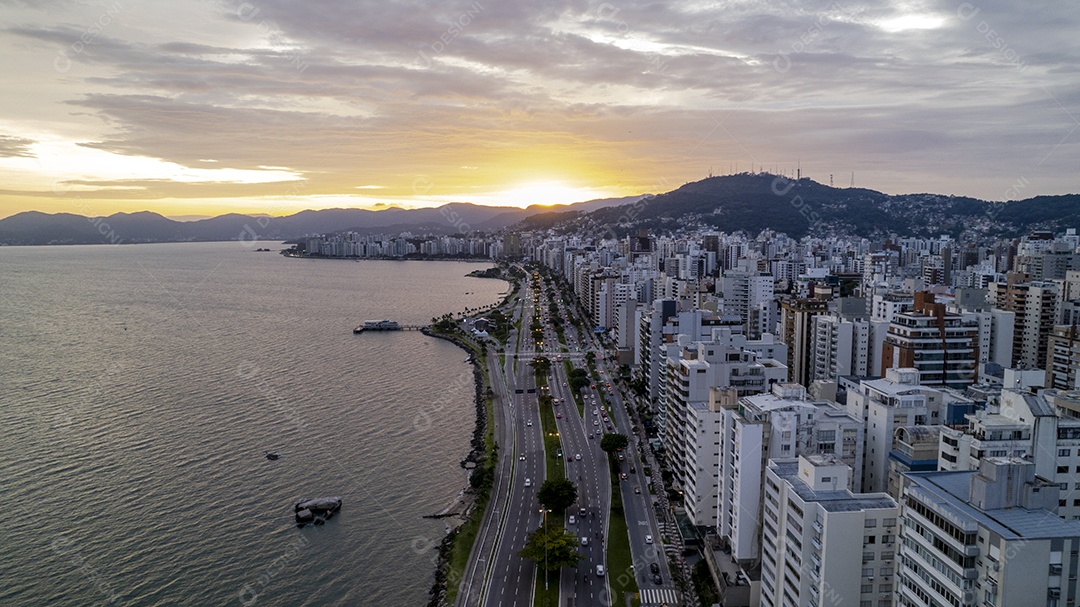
496	575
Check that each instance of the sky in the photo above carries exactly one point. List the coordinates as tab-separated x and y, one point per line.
274	106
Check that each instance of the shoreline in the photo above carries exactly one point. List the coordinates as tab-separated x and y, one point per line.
466	497
284	253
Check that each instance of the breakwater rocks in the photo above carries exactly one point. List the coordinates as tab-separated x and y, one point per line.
477	454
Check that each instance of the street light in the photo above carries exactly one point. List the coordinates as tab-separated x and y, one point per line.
546	541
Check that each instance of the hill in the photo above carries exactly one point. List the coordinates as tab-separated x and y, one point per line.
755	202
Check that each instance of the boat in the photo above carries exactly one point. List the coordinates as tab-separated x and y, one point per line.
378	325
315	511
271	455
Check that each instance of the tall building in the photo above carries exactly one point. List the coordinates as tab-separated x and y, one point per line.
1063	358
1036	306
780	424
691	432
845	345
1026	425
749	295
821	543
797	330
883	405
942	345
988	537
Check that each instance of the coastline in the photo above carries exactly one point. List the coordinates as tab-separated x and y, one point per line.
467	496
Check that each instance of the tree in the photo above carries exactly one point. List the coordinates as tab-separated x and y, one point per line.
557	494
613	442
541	364
551	547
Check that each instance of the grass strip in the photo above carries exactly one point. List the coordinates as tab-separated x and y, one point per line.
621	577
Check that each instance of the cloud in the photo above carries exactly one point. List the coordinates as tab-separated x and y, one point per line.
467	95
15	147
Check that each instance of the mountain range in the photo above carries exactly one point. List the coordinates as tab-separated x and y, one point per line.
744	202
36	228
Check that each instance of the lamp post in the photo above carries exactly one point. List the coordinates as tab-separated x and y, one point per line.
544	511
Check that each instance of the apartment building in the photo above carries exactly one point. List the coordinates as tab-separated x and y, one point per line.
822	544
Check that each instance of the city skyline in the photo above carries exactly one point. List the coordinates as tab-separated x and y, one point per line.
200	109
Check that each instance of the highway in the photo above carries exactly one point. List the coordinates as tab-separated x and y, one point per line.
496	575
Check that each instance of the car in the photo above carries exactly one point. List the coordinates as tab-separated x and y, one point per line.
653	567
569	459
596	422
584	541
599	571
657	579
633	470
558	453
648	539
637	490
558	416
590	436
528	482
521	457
596	411
621	458
571	520
528	423
581	512
623	478
577	456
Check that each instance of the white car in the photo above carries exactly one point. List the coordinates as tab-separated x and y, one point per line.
529	423
584	541
648	539
577	457
528	482
571	520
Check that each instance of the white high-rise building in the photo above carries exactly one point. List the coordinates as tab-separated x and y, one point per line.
821	543
1020	424
692	420
846	346
750	296
885	405
988	537
784	424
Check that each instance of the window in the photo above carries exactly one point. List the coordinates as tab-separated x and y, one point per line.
868	572
885	571
870	522
870	539
866	588
889	522
1064	452
1062	469
826	479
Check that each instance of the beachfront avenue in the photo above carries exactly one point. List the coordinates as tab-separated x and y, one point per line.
535	399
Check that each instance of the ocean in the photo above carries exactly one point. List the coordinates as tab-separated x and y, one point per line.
141	384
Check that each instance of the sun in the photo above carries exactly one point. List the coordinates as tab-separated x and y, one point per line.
548	193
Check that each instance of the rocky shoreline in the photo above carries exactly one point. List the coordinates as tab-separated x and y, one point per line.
466	498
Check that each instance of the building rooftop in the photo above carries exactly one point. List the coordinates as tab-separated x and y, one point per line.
831	501
950	490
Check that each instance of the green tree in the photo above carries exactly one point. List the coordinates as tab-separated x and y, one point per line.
613	442
541	364
557	494
552	548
